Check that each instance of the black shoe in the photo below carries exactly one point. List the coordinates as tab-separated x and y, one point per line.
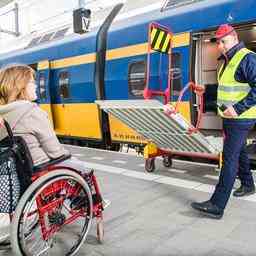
244	191
209	209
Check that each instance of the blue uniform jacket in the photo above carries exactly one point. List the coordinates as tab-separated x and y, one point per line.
245	73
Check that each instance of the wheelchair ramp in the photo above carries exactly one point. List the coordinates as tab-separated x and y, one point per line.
150	118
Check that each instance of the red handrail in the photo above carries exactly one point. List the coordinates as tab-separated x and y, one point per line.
149	93
199	91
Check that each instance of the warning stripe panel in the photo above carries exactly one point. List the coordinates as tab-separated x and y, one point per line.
160	40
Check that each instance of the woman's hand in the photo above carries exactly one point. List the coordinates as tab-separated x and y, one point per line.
1	122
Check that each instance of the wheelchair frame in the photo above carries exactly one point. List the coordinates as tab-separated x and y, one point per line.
52	185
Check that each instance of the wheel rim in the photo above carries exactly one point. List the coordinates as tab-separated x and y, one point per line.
167	161
54	227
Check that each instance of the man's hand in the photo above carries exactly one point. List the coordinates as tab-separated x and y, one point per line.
230	112
199	89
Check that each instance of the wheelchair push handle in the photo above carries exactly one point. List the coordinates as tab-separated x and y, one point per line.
9	131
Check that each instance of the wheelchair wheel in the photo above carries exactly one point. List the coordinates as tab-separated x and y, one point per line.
54	215
167	161
150	165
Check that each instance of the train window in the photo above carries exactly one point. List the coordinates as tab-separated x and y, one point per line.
176	3
42	86
64	84
176	74
137	78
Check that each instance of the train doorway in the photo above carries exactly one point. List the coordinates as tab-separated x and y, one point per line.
205	68
43	87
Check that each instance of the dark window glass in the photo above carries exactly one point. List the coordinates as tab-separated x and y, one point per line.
64	84
34	41
176	3
46	37
60	33
137	78
42	86
176	74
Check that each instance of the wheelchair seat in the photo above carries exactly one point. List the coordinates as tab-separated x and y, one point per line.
45	165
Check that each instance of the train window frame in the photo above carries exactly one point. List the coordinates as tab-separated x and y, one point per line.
177	3
64	87
176	74
42	86
142	85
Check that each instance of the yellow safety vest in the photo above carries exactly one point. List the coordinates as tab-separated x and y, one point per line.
229	90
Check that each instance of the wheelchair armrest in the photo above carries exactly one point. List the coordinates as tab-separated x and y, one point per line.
43	166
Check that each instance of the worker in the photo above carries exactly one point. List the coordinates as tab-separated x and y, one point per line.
237	106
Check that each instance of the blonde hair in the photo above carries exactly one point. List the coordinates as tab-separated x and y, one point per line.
13	82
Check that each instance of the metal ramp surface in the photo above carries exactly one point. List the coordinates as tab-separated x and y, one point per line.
152	120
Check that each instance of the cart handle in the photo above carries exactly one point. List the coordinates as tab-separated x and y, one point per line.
199	91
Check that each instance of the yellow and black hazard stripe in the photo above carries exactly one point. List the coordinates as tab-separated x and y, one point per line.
160	40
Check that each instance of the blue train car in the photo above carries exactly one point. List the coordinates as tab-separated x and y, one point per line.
110	63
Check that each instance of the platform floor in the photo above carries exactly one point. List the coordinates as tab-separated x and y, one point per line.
150	214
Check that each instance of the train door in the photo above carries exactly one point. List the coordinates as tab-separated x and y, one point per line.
43	88
179	72
61	98
205	54
142	78
169	71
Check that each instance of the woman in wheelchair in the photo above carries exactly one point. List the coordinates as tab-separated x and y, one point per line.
60	193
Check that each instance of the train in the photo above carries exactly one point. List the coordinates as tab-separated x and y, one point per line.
110	63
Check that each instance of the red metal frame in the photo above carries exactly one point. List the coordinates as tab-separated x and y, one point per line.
199	92
46	208
162	152
148	93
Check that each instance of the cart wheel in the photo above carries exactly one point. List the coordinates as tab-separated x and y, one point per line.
167	161
150	164
100	230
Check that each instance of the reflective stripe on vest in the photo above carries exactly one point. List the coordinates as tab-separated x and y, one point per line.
229	90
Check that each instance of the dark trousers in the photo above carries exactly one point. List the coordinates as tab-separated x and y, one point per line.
235	160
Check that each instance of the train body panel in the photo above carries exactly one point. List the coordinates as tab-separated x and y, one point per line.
67	69
81	120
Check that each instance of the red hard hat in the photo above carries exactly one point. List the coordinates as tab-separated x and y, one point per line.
223	30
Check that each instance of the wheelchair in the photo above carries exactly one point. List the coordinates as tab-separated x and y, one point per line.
56	208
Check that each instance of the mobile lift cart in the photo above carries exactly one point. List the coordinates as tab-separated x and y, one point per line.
167	132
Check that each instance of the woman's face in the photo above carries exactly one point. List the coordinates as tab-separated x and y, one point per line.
31	90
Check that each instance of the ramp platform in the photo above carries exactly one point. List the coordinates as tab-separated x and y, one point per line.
158	123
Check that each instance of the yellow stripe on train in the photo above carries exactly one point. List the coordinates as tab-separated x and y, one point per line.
184	109
75	120
178	40
120	132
